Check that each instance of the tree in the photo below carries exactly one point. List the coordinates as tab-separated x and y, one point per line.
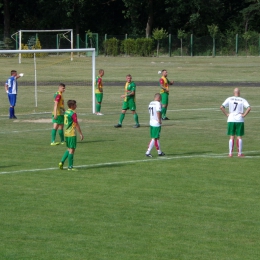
249	13
159	34
213	30
181	35
6	19
246	36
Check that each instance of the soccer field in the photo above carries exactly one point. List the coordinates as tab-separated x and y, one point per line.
194	203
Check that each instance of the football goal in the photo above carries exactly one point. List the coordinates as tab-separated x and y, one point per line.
49	39
44	70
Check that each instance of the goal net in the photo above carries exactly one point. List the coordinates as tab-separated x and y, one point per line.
44	70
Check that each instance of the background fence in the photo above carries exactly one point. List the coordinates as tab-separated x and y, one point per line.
113	45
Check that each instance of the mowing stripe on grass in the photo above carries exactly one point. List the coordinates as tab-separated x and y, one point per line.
139	161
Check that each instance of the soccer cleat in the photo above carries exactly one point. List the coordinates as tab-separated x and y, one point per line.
241	155
72	169
230	155
136	126
161	154
118	125
61	165
63	142
148	155
165	118
99	114
55	143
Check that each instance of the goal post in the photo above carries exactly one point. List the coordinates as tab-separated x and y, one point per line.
66	31
38	63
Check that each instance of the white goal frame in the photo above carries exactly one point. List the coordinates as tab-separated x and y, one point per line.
92	50
66	31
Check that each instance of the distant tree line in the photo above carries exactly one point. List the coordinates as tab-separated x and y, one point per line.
133	17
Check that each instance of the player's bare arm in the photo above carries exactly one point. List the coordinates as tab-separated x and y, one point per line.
224	111
246	112
79	131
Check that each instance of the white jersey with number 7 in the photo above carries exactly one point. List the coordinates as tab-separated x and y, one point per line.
236	107
154	107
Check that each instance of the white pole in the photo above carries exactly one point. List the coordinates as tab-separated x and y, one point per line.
20	46
35	80
93	81
71	41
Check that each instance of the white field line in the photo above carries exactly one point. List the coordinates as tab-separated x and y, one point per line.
136	161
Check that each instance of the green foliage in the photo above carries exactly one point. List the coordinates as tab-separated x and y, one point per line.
129	46
181	34
33	44
111	47
144	46
159	34
213	30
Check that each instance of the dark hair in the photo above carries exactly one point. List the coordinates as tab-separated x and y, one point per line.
62	85
163	71
129	75
13	71
71	103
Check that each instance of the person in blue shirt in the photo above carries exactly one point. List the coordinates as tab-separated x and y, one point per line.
11	90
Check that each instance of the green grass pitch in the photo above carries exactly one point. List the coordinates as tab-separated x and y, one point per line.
194	203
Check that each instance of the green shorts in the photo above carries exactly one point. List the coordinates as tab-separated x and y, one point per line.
99	97
71	141
235	128
59	120
164	97
130	104
155	131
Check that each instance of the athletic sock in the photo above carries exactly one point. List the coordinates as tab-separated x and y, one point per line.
98	107
122	116
53	135
150	146
240	146
157	145
11	112
65	156
136	118
163	112
61	134
70	158
231	145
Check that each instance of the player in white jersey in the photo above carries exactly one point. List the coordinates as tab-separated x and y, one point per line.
155	111
236	116
11	88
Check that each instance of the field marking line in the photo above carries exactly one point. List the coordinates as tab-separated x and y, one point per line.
223	155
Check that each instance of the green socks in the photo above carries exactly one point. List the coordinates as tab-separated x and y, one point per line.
65	156
163	112
122	116
136	118
53	135
70	157
98	107
61	134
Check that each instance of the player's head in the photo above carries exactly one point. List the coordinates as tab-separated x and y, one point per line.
157	97
101	72
72	104
13	72
164	73
61	87
236	92
128	78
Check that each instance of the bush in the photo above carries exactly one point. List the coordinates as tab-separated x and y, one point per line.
129	46
111	46
144	46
